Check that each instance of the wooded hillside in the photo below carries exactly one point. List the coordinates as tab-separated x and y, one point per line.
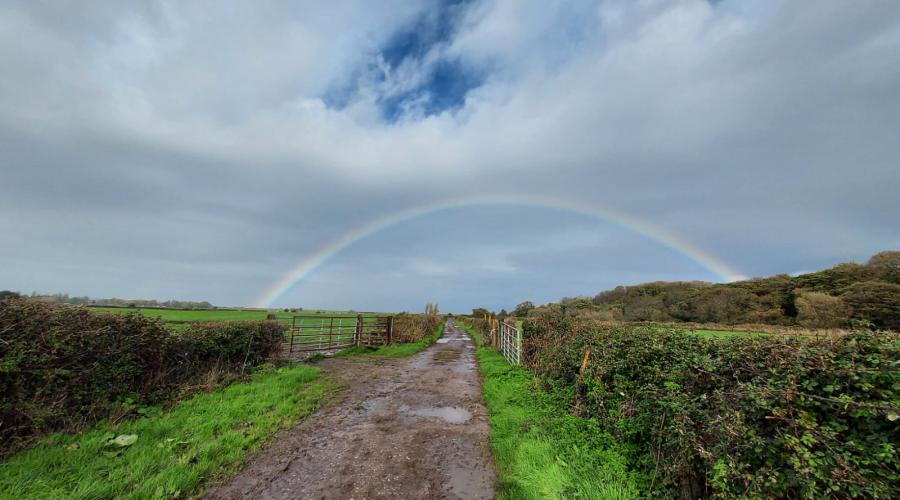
835	297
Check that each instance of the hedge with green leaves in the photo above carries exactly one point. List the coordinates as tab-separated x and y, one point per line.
64	368
757	417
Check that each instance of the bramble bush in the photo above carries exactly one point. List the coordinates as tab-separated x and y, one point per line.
757	417
65	368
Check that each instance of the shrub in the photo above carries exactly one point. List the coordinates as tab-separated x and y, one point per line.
875	301
229	345
757	417
820	310
64	368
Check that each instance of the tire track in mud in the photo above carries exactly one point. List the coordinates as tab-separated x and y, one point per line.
404	428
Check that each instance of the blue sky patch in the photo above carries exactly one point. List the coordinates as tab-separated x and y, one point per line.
446	81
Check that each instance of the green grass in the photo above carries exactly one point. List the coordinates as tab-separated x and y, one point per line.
542	451
176	451
395	350
725	333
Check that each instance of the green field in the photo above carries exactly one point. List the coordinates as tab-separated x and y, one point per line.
708	333
725	333
194	314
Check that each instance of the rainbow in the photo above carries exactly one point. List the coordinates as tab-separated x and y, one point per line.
308	265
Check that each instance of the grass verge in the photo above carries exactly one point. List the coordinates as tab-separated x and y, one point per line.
175	451
542	450
395	350
476	337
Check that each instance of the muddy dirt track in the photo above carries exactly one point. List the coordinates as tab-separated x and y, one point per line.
403	428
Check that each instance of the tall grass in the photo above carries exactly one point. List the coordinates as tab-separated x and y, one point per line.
175	452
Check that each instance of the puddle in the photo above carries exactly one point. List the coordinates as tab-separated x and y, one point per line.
370	406
446	356
452	339
467	481
449	414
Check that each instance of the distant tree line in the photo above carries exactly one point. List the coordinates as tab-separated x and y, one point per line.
834	297
64	298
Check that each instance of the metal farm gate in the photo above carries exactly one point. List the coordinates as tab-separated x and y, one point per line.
331	333
510	343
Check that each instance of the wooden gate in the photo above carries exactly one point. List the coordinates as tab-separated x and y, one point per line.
332	333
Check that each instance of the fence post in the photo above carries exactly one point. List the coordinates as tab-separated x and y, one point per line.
496	334
293	332
518	347
390	333
358	329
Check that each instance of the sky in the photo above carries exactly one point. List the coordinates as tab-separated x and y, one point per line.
382	155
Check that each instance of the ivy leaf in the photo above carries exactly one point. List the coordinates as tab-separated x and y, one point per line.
124	440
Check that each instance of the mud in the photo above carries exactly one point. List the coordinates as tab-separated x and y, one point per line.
401	428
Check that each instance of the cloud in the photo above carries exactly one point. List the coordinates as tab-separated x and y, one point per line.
217	144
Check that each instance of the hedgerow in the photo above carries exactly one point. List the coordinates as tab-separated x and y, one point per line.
482	327
65	368
415	327
757	417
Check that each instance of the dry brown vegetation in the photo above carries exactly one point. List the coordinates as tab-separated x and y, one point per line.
414	327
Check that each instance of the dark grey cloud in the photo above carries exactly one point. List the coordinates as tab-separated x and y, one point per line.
201	150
